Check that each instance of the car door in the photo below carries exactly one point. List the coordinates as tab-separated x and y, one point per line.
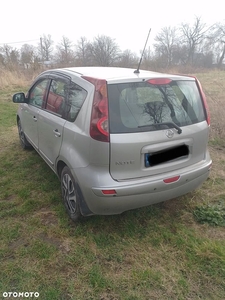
30	111
51	121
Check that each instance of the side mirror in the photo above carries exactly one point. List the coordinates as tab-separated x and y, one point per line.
19	98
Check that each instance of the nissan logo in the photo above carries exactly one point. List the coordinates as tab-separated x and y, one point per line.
169	133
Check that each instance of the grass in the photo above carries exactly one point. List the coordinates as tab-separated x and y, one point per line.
163	251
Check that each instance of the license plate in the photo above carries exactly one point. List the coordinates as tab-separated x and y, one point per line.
156	158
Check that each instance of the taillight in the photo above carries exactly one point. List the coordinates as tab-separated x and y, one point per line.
159	81
203	99
99	128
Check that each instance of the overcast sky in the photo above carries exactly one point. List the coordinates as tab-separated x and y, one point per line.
128	22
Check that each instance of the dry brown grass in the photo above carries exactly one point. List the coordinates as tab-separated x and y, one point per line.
8	78
16	78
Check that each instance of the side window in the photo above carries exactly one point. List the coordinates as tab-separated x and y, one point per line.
56	97
76	96
38	93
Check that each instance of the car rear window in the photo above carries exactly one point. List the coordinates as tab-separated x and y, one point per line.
141	106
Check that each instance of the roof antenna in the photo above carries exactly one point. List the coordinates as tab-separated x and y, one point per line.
137	71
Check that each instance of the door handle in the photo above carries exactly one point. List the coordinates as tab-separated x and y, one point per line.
34	119
57	133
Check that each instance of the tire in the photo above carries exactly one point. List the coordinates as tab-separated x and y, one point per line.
23	140
70	196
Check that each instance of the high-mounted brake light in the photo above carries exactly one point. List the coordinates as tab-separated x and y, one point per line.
99	116
203	100
159	81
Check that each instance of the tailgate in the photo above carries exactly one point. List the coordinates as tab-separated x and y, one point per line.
151	153
156	126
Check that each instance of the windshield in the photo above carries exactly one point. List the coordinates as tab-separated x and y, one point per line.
141	106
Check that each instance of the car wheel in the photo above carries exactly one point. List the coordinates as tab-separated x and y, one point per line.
23	140
69	194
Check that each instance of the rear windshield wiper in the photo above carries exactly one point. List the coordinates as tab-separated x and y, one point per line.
169	124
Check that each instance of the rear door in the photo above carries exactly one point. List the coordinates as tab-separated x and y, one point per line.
155	127
52	120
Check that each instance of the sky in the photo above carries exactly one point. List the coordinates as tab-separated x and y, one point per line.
128	22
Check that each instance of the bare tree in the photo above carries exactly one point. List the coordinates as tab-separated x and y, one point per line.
216	42
83	53
27	55
65	55
166	43
147	58
155	110
2	59
5	54
128	59
104	51
9	57
193	36
46	47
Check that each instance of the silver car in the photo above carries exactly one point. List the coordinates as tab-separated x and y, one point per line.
117	139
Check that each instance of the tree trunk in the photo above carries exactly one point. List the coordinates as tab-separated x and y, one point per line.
220	63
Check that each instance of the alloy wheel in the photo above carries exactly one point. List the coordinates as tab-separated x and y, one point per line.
69	193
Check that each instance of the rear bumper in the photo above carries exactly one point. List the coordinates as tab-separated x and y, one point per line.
137	193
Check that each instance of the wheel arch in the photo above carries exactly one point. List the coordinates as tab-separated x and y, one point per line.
85	211
17	118
60	165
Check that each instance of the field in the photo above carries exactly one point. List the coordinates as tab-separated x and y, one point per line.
174	250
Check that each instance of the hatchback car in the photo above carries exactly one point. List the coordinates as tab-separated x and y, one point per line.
117	139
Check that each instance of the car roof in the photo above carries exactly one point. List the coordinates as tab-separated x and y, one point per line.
116	73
